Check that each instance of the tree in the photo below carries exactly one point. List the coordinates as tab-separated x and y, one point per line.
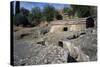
69	11
31	19
24	11
49	13
37	15
20	19
17	7
82	11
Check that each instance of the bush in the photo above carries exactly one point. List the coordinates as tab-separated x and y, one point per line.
20	19
58	16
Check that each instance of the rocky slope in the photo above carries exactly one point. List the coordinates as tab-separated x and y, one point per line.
38	46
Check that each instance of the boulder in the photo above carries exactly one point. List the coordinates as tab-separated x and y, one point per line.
75	52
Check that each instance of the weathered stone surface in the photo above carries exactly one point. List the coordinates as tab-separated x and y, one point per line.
75	52
36	48
88	44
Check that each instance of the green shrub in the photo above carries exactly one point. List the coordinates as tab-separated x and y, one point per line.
58	16
49	12
36	16
20	19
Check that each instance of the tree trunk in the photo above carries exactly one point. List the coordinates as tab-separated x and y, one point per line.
17	7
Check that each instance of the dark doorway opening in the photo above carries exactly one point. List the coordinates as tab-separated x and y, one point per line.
70	59
60	43
65	29
89	22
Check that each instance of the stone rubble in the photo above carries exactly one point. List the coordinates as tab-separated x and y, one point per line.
36	48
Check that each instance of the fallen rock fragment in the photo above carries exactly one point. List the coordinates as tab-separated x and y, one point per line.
75	53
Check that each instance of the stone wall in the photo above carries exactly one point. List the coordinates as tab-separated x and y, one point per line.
77	27
72	27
